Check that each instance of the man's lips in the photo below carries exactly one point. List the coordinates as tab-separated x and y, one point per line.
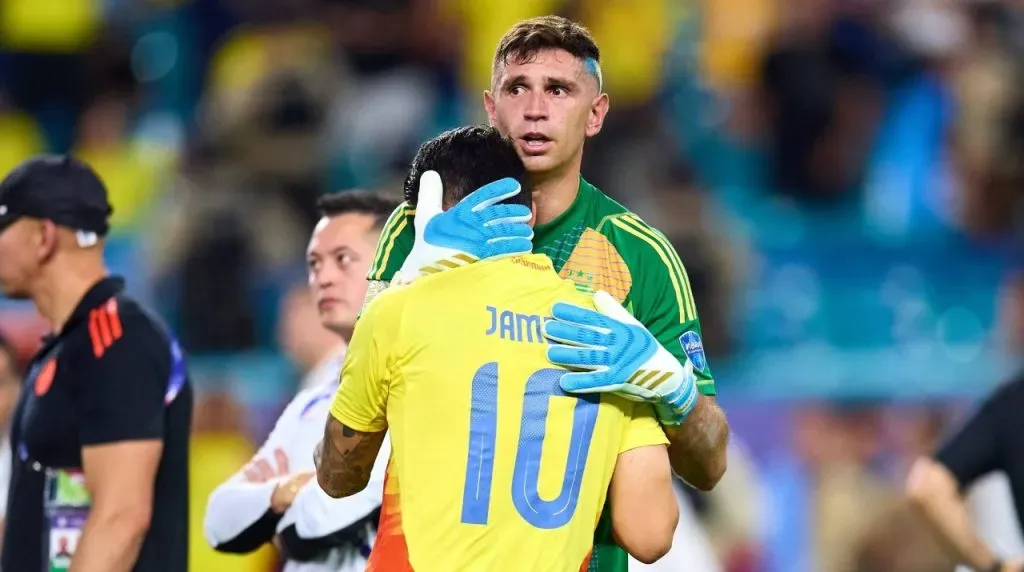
535	143
327	302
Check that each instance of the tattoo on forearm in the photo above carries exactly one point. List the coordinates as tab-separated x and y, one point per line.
698	447
344	458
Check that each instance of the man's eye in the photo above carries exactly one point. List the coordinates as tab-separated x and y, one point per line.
558	91
344	259
312	264
516	90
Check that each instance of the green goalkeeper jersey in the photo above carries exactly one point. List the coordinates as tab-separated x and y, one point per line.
600	245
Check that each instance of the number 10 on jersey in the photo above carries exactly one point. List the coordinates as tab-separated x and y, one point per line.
540	388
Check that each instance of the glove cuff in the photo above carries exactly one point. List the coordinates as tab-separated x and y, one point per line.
677	406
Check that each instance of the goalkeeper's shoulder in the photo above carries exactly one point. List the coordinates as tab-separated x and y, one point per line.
640	244
659	276
395	243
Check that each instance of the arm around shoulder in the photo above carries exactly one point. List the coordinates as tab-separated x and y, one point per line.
662	300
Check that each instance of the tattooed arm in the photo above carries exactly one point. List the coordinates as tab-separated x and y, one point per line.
344	458
697	448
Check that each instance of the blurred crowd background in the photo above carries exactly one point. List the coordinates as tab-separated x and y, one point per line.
842	178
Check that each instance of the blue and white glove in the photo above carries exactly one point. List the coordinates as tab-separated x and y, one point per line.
475	228
615	353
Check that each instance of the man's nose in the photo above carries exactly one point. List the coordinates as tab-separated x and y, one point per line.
536	107
324	277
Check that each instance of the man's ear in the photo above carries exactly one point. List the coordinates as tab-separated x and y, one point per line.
489	106
48	240
598	111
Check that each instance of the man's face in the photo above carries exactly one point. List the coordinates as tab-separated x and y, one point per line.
338	258
548	105
19	257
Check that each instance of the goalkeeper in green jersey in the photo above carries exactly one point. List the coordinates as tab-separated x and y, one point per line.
546	94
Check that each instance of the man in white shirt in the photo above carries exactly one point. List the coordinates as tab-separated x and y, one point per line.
272	498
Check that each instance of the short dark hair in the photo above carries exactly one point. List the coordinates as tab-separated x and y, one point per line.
468	158
361	202
533	35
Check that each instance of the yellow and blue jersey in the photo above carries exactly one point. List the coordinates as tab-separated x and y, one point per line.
493	467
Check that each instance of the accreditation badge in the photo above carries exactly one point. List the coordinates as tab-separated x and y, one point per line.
66	510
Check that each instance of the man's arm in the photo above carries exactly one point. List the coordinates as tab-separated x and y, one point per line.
241	513
934	485
644	509
345	457
697	448
934	493
119	478
662	300
317	522
119	397
357	422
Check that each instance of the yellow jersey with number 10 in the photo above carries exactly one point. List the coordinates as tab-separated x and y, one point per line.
493	467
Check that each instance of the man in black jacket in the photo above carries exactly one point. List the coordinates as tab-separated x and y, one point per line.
100	435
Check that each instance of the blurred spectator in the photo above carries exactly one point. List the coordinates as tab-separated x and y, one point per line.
217	449
822	100
733	516
988	137
394	50
55	37
10	388
104	137
303	338
20	137
898	542
215	311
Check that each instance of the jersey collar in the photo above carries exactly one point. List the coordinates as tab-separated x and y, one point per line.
102	291
583	194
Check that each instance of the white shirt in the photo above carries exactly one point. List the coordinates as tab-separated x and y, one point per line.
329	368
990	502
5	470
691	549
237	504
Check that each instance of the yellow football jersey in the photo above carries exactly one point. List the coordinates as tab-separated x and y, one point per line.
493	467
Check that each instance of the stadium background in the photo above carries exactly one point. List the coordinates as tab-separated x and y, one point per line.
841	178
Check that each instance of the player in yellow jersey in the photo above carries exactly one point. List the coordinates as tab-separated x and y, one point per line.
494	467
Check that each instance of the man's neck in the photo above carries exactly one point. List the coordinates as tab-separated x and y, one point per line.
58	297
553	195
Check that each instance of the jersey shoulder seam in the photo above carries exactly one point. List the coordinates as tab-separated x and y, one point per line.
658	250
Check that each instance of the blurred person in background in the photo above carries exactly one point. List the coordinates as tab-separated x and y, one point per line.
896	540
10	389
219	445
269	500
310	346
987	136
546	93
822	102
989	441
100	473
970	490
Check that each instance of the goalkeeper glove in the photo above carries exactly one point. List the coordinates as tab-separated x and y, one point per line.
475	228
617	354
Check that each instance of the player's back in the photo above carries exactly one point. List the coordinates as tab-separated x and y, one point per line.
494	467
